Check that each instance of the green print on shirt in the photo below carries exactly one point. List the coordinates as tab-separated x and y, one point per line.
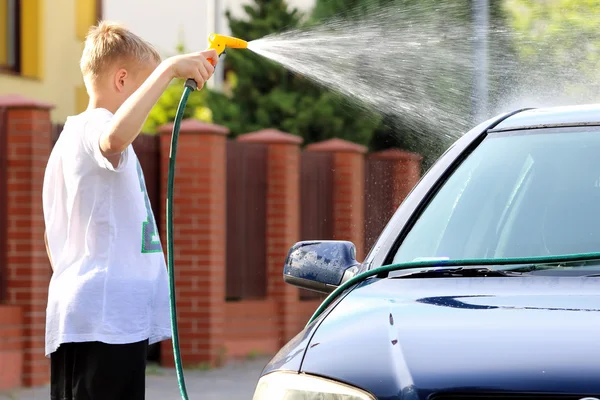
150	238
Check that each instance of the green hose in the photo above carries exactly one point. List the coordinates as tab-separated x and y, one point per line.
189	88
447	263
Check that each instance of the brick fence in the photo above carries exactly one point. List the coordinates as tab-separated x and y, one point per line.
238	207
25	267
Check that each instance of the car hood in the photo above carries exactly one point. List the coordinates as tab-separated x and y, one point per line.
408	338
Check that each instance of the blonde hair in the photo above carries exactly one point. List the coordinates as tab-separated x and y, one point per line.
110	42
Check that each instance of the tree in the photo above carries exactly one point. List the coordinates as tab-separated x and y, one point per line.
268	96
405	130
558	42
166	107
449	96
347	9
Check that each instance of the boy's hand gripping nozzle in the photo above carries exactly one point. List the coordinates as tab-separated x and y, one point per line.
219	43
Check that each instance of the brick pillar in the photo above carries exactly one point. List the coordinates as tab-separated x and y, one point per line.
11	347
348	190
199	239
406	172
27	268
283	220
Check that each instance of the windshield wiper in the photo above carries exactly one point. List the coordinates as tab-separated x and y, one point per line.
459	273
571	265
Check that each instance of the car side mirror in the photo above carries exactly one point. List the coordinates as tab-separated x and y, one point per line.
320	266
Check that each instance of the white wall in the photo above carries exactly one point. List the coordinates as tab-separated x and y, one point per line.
162	22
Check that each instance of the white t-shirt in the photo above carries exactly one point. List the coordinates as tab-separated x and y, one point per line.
110	279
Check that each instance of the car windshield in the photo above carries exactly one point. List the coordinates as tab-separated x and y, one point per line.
529	193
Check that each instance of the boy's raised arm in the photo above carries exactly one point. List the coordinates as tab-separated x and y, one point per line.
130	117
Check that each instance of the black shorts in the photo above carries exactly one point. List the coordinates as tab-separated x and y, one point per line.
98	371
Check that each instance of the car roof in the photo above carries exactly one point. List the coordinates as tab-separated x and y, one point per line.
580	115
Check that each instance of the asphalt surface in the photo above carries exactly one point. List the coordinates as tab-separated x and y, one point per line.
235	381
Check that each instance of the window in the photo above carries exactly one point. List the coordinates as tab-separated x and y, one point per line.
524	194
10	35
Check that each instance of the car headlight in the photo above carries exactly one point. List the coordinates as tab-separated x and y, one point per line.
293	386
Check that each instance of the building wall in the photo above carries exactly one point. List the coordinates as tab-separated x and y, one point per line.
52	36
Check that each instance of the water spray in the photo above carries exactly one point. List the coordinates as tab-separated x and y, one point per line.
218	43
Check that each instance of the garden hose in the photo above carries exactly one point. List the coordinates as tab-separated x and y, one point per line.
190	86
385	269
218	43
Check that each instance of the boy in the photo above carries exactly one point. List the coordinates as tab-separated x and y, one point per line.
108	296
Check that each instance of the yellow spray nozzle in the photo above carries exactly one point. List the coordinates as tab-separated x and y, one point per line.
220	42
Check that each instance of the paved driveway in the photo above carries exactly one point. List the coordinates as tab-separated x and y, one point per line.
236	381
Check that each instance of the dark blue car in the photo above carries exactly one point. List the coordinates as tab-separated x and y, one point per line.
485	284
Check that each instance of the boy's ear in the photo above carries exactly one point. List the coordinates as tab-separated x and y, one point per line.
120	77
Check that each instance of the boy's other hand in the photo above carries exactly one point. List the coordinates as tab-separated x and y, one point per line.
194	65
